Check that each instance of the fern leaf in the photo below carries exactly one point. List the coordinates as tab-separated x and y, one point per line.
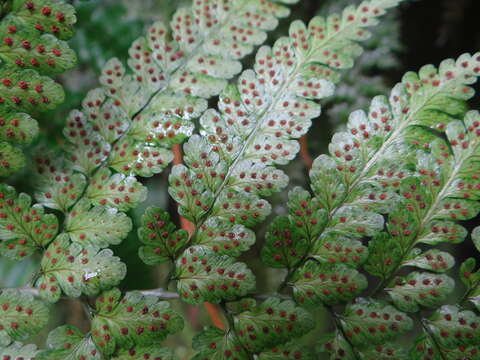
362	177
69	343
215	344
339	348
23	228
132	320
77	270
98	226
453	327
21	316
426	346
372	322
44	16
421	289
433	260
117	191
271	323
145	352
470	278
57	186
151	107
17	351
443	192
315	283
32	45
289	351
223	238
284	245
258	121
205	276
12	159
160	238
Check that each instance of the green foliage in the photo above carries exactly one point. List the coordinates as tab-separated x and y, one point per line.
77	270
33	34
132	320
397	182
21	316
23	228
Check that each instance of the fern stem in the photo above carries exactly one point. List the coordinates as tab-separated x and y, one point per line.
304	153
189	227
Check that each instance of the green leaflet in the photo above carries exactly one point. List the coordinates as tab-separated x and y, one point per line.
96	226
27	91
433	260
306	213
12	159
284	246
476	237
316	283
117	191
139	158
384	352
291	238
77	270
421	289
338	347
470	278
69	343
371	322
45	54
162	241
203	276
454	328
443	191
23	228
20	316
18	128
145	352
289	351
132	320
383	253
334	249
32	46
18	351
271	323
215	344
57	186
425	346
55	17
224	238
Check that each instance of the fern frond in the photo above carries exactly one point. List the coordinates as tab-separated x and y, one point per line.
369	165
231	165
32	34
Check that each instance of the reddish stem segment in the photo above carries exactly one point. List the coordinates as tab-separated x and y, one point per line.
304	154
188	226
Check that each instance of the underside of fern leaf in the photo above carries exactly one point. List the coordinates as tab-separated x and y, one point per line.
33	34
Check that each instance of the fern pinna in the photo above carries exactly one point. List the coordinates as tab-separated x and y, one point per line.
32	34
394	186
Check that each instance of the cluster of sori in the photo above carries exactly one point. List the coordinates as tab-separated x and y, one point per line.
394	186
